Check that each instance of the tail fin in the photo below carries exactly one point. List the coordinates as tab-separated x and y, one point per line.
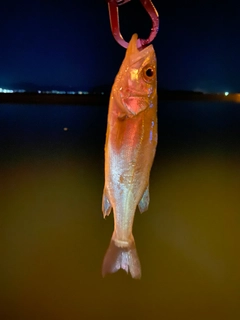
122	256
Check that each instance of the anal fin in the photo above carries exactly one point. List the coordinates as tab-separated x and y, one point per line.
106	205
144	202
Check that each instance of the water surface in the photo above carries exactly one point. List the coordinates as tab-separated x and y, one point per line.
53	236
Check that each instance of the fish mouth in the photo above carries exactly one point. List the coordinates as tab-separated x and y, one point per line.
134	53
148	51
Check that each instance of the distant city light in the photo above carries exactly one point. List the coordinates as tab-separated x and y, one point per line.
226	93
6	90
45	91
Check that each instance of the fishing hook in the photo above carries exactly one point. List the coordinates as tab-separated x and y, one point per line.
115	27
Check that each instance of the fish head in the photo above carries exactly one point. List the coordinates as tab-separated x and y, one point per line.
136	82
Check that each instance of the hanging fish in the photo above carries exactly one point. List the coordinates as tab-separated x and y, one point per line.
130	147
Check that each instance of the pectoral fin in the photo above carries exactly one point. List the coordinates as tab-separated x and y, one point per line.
144	202
122	116
106	205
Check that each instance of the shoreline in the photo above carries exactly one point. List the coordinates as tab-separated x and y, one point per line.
103	99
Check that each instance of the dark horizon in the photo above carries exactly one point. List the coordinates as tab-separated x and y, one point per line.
106	88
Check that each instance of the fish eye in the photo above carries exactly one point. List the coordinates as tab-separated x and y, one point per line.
148	73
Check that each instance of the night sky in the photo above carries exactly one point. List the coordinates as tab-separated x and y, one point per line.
69	43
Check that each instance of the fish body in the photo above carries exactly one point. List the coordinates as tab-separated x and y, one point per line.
130	147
